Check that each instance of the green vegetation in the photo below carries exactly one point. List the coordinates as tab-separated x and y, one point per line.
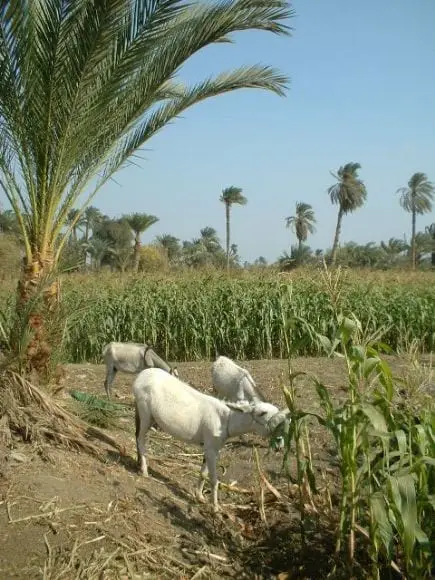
302	224
84	86
383	437
416	199
193	317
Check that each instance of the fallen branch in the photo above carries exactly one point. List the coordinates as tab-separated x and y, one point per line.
205	554
45	515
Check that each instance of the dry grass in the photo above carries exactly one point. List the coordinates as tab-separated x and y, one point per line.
35	416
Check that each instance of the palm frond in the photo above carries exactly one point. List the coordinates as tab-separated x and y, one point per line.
86	83
418	196
349	192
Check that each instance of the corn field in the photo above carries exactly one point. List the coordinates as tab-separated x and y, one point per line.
193	318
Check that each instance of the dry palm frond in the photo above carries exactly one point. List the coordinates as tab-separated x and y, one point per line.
37	417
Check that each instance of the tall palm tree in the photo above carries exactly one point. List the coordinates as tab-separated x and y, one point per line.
302	223
84	85
91	217
139	222
230	196
416	199
349	193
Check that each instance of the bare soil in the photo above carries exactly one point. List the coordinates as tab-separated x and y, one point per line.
64	514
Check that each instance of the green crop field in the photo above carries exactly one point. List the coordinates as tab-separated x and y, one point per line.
193	317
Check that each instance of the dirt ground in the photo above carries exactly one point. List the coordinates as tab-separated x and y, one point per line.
64	514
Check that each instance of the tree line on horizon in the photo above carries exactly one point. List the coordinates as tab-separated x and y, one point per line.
97	240
349	193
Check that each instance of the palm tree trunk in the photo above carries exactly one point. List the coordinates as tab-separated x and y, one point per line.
299	260
136	255
227	217
413	246
36	299
336	237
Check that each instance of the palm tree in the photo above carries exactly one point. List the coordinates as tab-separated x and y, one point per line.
139	222
230	196
171	245
393	248
416	199
302	223
74	221
210	240
431	231
97	248
349	193
423	245
84	85
91	217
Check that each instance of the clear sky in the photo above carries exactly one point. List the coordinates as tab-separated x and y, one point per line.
363	89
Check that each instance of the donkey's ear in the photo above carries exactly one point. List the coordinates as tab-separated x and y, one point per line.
241	406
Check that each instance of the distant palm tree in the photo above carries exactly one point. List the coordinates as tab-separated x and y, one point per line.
393	248
74	221
260	261
171	244
286	262
210	239
91	217
431	231
423	245
230	196
302	223
416	199
97	249
139	222
299	254
349	193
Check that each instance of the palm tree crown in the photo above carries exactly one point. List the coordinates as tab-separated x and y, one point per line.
302	223
139	222
418	195
171	244
233	195
416	199
91	217
349	192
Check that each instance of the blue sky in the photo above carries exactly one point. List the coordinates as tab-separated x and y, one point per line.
363	89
